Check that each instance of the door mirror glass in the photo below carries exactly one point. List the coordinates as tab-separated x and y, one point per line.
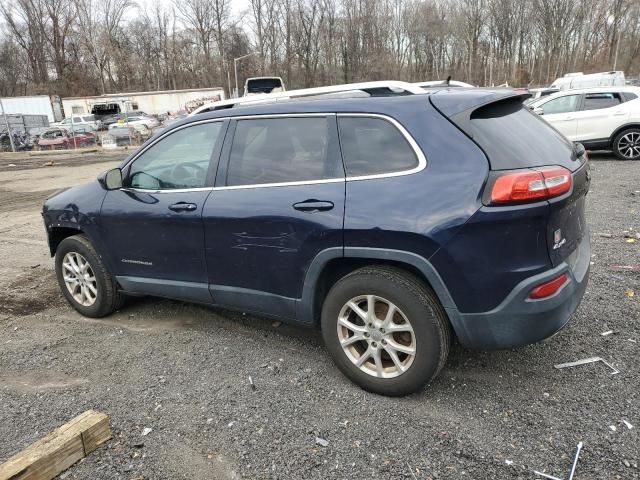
579	149
113	179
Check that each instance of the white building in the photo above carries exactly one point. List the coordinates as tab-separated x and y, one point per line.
159	102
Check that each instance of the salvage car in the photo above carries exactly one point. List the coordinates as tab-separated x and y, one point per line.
602	118
392	222
62	138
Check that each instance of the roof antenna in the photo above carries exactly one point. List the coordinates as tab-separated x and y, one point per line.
448	82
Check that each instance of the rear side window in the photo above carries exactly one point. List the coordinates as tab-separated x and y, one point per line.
514	137
628	96
596	101
372	146
278	150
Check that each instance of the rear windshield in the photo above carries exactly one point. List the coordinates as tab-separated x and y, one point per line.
514	137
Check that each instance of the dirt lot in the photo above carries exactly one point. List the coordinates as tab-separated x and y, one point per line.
183	371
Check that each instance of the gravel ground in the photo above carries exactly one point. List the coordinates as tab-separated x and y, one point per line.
183	371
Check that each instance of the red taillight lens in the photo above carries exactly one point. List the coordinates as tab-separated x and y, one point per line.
547	289
528	184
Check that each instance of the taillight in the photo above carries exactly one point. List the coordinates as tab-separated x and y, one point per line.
530	184
548	288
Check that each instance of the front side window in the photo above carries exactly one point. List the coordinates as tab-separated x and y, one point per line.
566	104
372	146
596	101
179	160
277	150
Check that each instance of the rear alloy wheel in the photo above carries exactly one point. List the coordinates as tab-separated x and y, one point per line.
376	336
626	145
385	330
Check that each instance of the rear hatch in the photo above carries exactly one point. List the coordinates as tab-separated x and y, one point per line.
516	140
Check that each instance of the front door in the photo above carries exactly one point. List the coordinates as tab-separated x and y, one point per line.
561	113
153	225
278	202
602	113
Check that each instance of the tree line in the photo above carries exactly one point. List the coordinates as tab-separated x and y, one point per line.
90	47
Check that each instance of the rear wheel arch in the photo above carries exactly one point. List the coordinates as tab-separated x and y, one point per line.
617	131
330	266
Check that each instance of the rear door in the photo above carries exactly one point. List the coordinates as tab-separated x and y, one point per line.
561	113
601	114
278	202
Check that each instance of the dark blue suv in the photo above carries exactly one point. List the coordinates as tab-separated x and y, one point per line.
391	221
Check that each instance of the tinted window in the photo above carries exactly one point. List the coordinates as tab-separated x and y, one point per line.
568	103
596	101
628	96
180	160
372	145
514	137
279	150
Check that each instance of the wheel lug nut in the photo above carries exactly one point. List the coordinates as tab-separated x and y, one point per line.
382	330
384	342
366	334
374	344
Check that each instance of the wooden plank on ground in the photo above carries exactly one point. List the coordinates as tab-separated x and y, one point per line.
56	452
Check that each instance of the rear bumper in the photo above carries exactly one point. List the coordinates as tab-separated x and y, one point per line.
519	320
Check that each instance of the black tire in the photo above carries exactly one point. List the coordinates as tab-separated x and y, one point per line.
421	308
621	152
107	299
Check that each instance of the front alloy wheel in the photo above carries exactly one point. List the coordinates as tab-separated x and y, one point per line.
79	279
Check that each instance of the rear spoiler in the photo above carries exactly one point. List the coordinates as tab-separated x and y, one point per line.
459	105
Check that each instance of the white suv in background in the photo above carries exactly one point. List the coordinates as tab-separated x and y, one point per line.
601	118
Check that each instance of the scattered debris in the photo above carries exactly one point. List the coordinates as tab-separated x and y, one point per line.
209	420
631	340
626	463
253	385
35	266
509	462
230	424
56	452
626	268
630	240
608	332
550	477
605	235
627	424
575	461
322	442
612	428
11	165
586	361
276	324
146	431
138	445
629	293
50	163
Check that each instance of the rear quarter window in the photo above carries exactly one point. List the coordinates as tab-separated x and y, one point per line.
372	146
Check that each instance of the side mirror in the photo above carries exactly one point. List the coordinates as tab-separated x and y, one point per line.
538	110
579	149
111	179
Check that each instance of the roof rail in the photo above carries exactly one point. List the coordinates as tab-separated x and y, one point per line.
372	88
